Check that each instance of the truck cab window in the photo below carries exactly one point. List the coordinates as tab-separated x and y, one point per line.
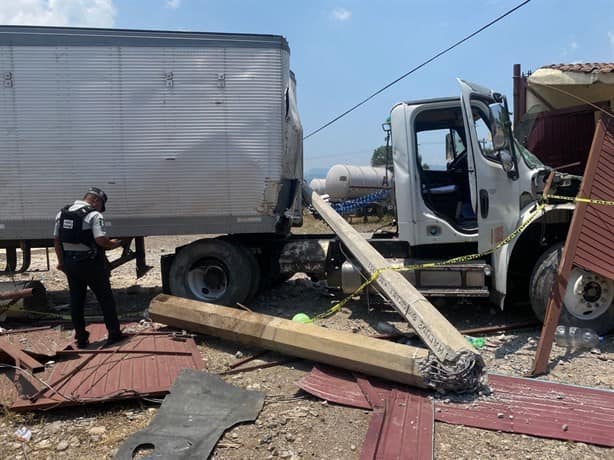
432	149
485	137
441	163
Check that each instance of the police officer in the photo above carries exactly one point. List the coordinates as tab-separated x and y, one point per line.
80	241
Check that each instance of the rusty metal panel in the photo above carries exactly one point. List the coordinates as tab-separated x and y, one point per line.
370	446
516	405
43	341
538	408
334	385
407	432
561	137
401	426
595	244
93	377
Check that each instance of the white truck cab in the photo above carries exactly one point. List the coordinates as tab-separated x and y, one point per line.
463	184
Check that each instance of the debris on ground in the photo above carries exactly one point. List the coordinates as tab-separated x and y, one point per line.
200	407
294	424
511	404
145	364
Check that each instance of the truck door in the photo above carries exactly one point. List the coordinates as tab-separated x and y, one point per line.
494	192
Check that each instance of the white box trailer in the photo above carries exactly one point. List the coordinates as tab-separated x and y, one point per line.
186	132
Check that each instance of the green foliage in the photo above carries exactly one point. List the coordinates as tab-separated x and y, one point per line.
379	157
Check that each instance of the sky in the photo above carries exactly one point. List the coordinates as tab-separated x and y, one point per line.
344	50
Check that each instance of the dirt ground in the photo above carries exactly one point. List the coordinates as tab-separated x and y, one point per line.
293	425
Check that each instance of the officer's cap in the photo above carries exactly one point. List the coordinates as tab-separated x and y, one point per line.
99	194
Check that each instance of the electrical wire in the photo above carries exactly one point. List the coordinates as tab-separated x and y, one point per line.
418	67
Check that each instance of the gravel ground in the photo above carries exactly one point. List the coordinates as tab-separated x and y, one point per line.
293	425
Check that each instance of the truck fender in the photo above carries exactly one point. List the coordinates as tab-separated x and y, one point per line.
501	259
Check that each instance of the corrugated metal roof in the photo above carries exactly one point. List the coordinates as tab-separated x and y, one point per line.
595	247
516	405
117	372
587	67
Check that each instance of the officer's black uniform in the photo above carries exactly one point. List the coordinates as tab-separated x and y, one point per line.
85	265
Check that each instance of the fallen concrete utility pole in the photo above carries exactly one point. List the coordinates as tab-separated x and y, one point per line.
387	360
457	359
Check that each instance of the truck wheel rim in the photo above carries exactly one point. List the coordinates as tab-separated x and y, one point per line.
208	281
588	295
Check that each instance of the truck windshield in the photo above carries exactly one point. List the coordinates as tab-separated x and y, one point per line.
527	156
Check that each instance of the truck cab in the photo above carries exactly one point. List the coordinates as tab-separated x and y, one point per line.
462	186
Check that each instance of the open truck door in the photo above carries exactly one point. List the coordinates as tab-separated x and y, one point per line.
493	170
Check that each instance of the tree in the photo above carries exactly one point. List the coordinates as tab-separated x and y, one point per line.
379	156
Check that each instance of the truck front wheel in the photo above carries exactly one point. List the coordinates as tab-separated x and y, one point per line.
214	270
588	301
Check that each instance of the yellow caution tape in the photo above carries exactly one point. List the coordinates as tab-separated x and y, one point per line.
579	199
514	234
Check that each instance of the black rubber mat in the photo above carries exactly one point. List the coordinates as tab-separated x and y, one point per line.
192	418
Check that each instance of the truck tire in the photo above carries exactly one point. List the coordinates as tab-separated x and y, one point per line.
254	269
589	299
214	270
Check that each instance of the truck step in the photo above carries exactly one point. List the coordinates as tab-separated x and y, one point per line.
475	265
436	292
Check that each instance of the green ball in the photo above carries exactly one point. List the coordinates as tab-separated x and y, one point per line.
301	318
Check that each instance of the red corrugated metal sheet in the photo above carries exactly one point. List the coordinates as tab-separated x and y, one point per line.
562	137
334	385
43	341
95	377
595	246
538	408
401	426
587	67
406	431
374	432
516	405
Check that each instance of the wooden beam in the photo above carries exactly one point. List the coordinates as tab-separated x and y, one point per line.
388	360
439	335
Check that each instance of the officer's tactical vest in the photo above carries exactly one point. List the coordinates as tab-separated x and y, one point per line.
71	226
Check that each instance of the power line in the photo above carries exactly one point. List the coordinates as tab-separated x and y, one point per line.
441	53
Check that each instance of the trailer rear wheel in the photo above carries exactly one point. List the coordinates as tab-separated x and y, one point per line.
588	301
214	270
256	276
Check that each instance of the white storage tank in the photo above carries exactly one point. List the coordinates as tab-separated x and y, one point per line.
318	186
344	182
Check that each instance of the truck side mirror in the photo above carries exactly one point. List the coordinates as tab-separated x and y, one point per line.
499	120
507	161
